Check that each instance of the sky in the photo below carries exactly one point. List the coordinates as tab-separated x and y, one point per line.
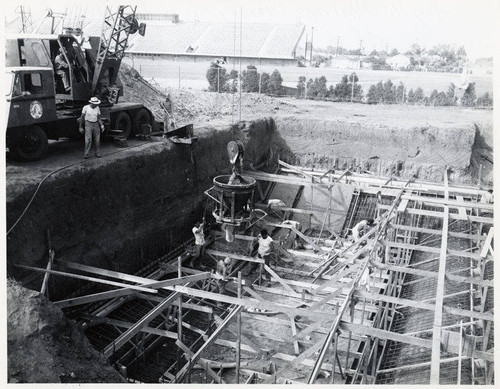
375	24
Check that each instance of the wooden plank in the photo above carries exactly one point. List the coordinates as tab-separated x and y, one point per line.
146	329
402	206
246	341
75	301
234	256
206	366
425	186
460	204
91	279
104	272
180	375
45	282
184	348
325	299
251	303
436	232
194	307
127	335
278	278
308	353
438	313
431	274
461	210
455	216
304	237
296	347
487	244
427	249
146	282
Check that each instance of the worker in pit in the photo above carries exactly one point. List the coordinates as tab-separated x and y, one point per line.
91	117
223	270
199	242
62	69
361	228
264	251
168	118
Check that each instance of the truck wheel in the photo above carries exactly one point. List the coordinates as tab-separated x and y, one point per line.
141	117
32	146
123	125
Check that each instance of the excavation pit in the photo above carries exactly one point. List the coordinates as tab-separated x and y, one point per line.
137	231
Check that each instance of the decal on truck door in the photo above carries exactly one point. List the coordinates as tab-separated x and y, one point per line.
36	109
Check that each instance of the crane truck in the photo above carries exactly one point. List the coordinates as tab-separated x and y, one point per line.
41	107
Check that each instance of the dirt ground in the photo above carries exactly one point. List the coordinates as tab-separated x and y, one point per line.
45	347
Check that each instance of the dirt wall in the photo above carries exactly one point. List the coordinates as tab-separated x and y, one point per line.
128	212
422	152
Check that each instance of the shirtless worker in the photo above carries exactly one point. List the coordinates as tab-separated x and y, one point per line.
223	270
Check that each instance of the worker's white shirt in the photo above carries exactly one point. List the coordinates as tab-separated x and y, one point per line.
199	237
265	245
90	114
487	198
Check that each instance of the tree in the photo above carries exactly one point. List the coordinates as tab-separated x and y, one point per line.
394	52
400	93
451	99
419	95
309	87
301	86
233	77
342	91
275	84
411	97
264	83
379	88
485	100
217	78
331	92
371	96
389	92
469	97
250	79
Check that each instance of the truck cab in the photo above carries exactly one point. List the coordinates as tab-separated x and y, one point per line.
31	108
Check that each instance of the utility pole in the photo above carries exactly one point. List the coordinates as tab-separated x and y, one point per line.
338	42
352	88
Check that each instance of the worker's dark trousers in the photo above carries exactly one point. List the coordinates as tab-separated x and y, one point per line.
92	132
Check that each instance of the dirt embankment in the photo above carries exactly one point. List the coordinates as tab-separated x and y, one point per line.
132	209
421	152
45	347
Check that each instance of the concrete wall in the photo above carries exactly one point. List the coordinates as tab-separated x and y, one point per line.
125	214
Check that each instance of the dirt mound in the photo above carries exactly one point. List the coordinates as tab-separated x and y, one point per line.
43	346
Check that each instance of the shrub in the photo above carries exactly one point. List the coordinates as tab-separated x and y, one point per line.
217	78
250	79
485	100
301	86
275	86
469	97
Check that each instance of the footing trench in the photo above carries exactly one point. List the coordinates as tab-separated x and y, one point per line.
410	301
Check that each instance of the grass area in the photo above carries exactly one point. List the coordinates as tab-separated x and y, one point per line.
193	75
